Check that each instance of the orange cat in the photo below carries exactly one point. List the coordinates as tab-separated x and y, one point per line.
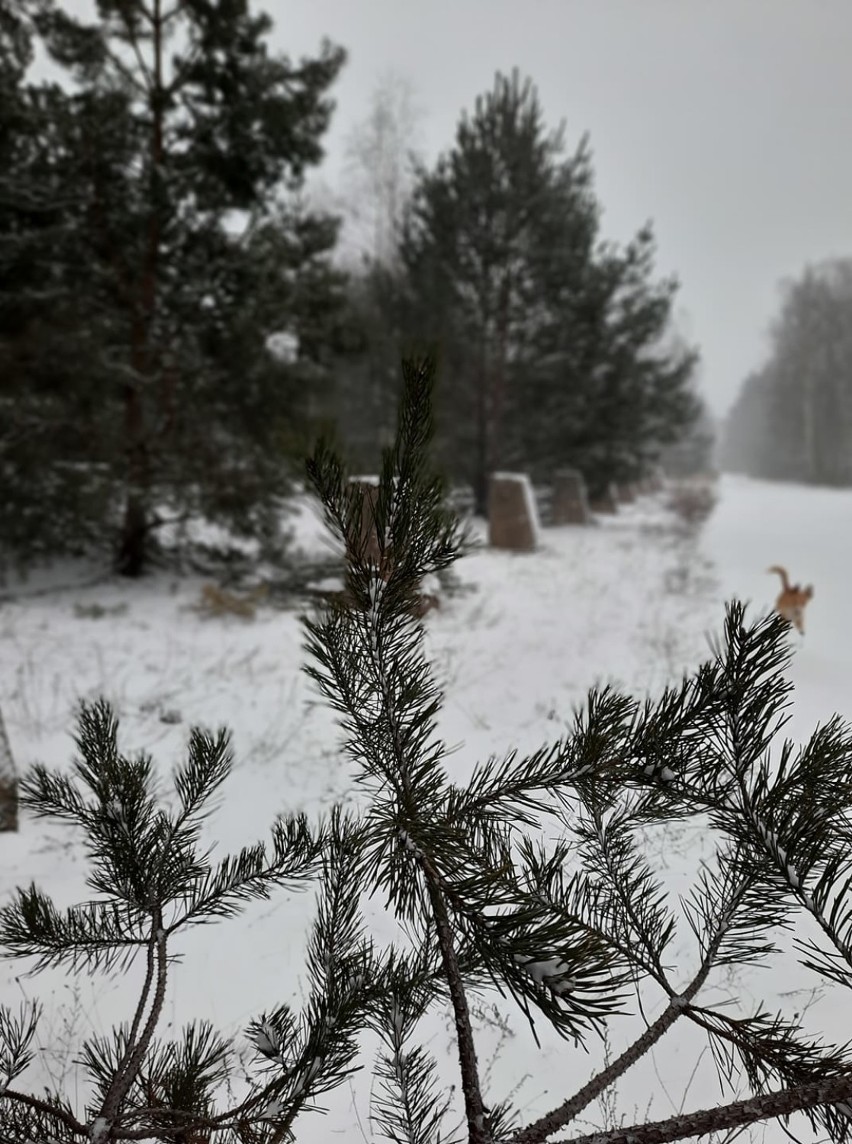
792	600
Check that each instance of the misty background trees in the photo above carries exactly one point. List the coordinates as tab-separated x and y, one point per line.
178	317
793	417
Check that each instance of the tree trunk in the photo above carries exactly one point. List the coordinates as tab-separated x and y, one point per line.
131	555
132	551
482	463
498	380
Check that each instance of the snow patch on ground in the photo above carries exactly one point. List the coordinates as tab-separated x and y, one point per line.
632	602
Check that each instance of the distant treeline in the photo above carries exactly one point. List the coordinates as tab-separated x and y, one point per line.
793	417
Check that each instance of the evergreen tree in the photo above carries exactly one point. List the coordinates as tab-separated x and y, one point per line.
549	341
793	417
641	398
153	240
50	373
529	879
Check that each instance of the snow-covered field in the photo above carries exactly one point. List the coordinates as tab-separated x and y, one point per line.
631	602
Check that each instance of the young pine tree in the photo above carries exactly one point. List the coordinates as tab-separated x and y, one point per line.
549	341
528	880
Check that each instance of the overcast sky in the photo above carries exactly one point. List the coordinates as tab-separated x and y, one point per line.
726	122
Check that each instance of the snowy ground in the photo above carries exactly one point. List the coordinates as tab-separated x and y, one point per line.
629	602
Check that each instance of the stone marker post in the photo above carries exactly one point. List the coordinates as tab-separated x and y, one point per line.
512	513
607	502
8	783
626	492
570	502
369	536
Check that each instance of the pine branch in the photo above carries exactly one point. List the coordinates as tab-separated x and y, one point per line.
474	1105
16	1034
221	891
174	1093
141	1005
47	1109
536	783
126	1076
94	934
768	1106
767	1047
637	903
149	78
680	1004
407	1108
129	77
551	1122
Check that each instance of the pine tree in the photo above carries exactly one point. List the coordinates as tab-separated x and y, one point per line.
528	879
546	337
640	397
47	420
153	240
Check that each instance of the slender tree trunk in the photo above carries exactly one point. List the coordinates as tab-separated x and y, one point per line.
809	432
132	553
499	383
131	556
483	459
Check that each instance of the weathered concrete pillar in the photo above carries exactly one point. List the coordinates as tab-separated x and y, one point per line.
8	783
369	536
607	503
423	602
512	514
656	480
570	502
626	492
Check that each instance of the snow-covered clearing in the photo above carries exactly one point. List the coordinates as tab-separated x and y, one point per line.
630	601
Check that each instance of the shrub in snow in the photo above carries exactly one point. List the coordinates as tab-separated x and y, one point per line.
528	879
692	501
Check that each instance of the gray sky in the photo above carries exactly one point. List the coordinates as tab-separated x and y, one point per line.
726	122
